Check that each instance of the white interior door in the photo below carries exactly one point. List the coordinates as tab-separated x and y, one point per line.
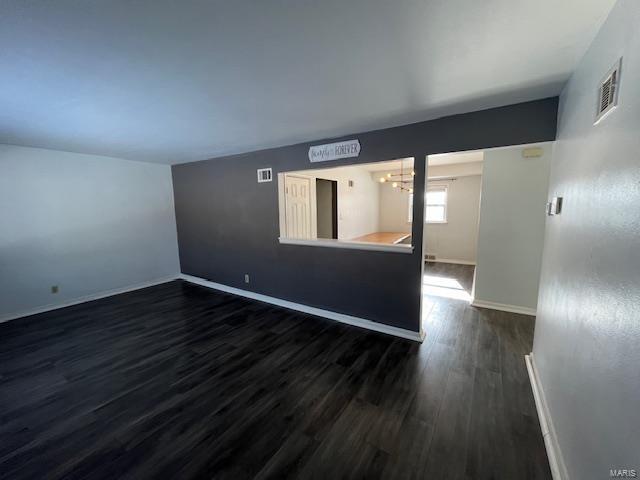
298	206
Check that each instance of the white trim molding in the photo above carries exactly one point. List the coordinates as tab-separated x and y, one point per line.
86	298
503	307
556	462
319	312
348	244
450	260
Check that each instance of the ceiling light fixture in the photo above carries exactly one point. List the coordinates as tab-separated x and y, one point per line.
402	181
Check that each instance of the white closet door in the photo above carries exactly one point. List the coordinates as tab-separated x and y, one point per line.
298	207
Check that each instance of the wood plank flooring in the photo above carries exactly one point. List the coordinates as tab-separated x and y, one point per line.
178	381
390	238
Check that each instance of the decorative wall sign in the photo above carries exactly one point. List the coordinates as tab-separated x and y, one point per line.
334	151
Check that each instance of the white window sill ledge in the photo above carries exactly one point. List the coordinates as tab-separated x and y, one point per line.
346	244
435	223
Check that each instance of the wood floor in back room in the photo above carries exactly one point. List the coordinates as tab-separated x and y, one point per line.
178	381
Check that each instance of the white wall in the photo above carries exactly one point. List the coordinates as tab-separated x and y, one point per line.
358	206
588	327
458	238
454	240
512	219
86	223
394	208
455	169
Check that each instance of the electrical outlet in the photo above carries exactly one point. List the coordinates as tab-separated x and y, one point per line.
54	288
246	278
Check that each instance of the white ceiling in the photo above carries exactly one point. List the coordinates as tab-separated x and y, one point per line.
388	165
167	81
452	158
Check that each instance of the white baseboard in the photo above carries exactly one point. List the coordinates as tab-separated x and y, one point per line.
503	307
556	462
86	298
451	260
319	312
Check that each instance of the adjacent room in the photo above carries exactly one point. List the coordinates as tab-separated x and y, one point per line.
484	230
452	218
355	205
332	240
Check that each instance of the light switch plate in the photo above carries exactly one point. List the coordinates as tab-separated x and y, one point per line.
554	207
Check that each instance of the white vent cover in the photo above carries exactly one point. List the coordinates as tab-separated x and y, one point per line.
264	175
608	92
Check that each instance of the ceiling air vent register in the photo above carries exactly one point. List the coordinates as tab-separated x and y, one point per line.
264	175
608	92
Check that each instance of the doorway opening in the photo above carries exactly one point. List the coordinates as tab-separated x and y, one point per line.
452	217
485	219
327	208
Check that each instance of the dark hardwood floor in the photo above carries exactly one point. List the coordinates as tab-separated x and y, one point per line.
178	381
462	273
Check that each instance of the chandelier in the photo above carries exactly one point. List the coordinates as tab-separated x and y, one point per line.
403	181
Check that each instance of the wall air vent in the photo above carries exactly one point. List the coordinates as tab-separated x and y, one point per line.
264	175
608	92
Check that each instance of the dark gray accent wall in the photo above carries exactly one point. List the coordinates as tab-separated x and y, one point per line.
228	223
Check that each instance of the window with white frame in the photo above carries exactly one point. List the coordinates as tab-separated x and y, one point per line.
436	204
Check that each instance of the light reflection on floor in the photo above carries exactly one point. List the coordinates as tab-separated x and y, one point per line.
446	287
